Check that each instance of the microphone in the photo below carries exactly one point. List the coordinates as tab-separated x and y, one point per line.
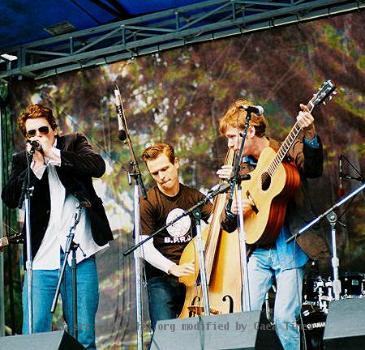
217	189
340	190
119	107
35	146
258	110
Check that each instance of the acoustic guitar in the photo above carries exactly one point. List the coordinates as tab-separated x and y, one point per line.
273	182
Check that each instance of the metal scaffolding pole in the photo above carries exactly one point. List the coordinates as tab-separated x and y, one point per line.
2	298
159	31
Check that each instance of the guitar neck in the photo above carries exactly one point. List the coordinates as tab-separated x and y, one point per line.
288	142
284	148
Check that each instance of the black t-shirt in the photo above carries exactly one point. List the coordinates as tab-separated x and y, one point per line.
158	209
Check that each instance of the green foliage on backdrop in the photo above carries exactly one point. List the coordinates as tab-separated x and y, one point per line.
179	96
12	295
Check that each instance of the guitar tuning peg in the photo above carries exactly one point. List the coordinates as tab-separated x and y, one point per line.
331	97
324	102
334	92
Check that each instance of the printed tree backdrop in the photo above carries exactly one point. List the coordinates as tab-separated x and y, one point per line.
179	96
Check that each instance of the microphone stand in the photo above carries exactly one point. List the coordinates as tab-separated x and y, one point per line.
236	181
27	192
133	173
201	257
332	219
70	245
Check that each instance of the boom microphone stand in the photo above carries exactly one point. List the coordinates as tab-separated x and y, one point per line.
332	218
133	173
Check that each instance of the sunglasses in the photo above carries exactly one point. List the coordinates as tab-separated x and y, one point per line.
42	130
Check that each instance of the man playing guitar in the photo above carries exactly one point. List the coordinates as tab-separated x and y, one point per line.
274	258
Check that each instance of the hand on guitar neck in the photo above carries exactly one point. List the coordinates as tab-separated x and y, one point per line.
305	120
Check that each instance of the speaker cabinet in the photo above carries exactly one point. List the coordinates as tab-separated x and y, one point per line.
242	330
345	325
60	340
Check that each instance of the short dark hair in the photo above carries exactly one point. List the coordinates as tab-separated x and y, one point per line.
34	111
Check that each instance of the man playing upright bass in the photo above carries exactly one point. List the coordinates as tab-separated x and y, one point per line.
165	201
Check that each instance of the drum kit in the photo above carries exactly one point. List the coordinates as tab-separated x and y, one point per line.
317	295
318	290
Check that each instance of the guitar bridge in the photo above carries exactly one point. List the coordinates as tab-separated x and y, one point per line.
195	310
253	204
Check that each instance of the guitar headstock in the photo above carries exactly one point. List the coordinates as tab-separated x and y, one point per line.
326	91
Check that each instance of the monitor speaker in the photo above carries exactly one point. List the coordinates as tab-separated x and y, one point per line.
242	330
60	340
345	325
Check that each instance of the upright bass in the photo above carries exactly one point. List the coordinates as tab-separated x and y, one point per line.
222	257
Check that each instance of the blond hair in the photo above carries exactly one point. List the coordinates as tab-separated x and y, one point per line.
235	117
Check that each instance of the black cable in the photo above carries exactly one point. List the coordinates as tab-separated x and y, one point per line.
299	295
351	165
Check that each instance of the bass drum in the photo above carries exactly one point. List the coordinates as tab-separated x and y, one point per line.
311	323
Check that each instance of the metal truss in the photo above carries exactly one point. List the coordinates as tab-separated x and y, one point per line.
208	20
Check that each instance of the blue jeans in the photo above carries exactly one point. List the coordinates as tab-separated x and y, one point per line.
263	265
165	298
44	287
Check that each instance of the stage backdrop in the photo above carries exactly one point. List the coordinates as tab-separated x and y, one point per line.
178	96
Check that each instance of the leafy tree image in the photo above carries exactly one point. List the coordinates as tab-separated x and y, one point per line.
179	96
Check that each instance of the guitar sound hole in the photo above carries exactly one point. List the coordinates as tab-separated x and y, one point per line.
265	181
